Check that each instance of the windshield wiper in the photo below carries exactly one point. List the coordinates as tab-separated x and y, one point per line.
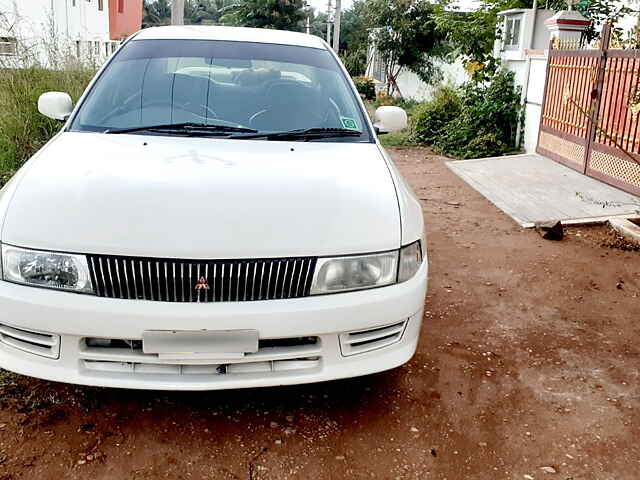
190	128
302	133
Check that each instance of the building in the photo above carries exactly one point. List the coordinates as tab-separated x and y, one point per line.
125	18
522	40
46	31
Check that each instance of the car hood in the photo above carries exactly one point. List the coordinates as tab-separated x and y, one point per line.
180	197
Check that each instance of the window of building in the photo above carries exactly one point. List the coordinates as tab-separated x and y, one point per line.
512	32
120	6
73	3
100	5
8	46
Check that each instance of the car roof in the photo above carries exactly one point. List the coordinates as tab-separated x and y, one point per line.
236	34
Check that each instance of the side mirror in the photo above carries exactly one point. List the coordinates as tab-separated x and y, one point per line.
389	119
56	105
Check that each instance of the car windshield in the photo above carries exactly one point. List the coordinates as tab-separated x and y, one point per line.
258	86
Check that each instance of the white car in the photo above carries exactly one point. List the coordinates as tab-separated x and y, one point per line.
190	232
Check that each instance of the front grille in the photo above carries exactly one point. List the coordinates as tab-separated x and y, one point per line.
352	343
103	356
171	280
274	366
38	343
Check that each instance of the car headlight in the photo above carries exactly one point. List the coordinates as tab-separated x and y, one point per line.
357	272
410	261
62	271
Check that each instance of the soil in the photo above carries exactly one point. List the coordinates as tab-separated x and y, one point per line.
527	368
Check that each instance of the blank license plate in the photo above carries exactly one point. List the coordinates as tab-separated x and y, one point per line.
200	341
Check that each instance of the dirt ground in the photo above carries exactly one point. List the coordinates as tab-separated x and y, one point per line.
527	368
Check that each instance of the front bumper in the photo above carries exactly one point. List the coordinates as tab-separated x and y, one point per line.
71	318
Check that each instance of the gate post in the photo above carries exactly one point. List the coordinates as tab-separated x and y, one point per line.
566	29
596	93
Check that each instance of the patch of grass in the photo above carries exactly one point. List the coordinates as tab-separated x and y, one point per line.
5	176
23	130
402	138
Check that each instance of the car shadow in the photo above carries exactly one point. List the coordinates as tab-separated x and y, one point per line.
25	394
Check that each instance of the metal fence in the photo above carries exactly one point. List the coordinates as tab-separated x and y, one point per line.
590	110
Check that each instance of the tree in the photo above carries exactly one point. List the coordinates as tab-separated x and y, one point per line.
601	11
203	12
405	36
353	28
471	36
318	23
196	12
354	38
277	14
156	12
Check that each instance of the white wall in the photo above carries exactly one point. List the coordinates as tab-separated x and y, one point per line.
413	88
542	35
518	67
535	94
45	27
532	37
410	84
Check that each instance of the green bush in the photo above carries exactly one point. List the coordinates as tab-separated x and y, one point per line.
23	130
484	125
355	61
366	87
430	120
488	120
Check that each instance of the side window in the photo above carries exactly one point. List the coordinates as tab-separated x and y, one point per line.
8	46
512	33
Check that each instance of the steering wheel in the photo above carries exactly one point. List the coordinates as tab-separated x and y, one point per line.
314	118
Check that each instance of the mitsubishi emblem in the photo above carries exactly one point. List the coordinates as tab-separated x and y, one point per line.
202	284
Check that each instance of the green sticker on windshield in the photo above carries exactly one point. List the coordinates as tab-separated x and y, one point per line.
349	123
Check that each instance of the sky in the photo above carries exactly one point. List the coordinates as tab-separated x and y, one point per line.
321	5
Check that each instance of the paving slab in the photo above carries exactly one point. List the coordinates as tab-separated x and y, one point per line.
531	188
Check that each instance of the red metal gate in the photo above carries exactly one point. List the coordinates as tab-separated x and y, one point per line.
590	112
